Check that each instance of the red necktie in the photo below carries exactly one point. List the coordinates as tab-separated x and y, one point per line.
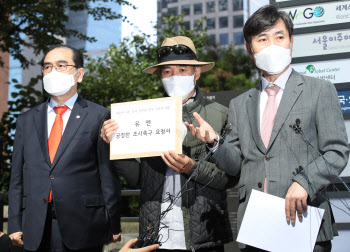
56	135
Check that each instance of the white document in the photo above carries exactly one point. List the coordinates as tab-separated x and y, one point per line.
264	225
147	128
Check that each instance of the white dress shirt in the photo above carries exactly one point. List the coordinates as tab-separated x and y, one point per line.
281	82
172	235
51	113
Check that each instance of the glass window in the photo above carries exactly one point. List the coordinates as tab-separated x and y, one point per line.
197	9
210	23
172	1
211	38
188	25
196	23
186	9
223	39
223	22
210	7
173	11
238	38
238	21
164	3
222	5
237	5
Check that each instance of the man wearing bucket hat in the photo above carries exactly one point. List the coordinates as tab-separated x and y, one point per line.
199	219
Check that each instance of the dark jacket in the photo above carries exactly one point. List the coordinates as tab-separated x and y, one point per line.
85	190
5	243
204	204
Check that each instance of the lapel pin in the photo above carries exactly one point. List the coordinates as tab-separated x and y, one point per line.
78	116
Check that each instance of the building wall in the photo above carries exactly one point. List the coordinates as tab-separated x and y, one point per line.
225	18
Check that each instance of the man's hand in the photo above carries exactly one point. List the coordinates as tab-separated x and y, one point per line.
109	128
16	238
178	162
115	238
295	201
128	245
205	132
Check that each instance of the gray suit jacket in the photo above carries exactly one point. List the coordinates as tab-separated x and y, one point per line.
315	103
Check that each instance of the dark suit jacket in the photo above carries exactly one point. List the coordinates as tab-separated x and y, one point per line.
315	102
86	191
5	243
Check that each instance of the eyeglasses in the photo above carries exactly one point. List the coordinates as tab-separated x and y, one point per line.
61	67
177	50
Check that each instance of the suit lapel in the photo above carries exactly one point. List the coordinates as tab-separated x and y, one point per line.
253	108
290	95
74	122
40	119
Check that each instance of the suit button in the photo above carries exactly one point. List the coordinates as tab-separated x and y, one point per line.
260	184
52	177
44	200
267	158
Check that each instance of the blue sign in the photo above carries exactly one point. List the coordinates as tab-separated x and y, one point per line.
344	99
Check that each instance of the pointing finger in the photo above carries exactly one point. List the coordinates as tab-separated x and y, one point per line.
199	119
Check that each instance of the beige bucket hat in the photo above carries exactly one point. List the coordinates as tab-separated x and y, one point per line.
178	50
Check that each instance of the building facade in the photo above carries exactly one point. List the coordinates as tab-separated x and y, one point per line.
224	18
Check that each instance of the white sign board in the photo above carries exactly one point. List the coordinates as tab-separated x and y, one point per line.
147	128
319	14
321	43
335	71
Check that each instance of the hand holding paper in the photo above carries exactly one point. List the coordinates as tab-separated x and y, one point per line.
178	162
109	128
295	201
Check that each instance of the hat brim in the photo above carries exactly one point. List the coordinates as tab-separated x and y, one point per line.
156	70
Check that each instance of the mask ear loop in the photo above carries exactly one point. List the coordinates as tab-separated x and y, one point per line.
251	49
194	75
75	81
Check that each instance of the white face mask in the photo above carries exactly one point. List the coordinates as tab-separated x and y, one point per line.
56	83
273	59
179	85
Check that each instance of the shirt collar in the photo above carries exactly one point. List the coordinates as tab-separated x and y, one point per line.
280	81
69	103
191	99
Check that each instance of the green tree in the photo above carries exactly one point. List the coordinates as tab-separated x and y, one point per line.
234	69
118	76
44	23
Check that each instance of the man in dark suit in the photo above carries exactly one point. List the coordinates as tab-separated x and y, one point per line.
262	149
64	195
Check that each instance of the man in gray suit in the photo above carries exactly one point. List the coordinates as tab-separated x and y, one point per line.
262	148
